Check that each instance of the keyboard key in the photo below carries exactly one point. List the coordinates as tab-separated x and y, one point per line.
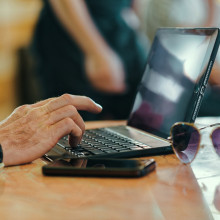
97	152
111	151
124	150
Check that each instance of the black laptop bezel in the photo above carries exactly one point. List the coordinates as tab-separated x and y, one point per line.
200	86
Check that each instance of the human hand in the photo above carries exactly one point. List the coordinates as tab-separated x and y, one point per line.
216	200
106	72
32	130
214	78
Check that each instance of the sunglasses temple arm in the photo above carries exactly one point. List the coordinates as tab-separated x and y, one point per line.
170	140
208	126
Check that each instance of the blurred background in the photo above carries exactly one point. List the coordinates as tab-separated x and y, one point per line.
18	19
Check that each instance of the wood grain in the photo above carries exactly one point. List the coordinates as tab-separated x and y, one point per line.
169	192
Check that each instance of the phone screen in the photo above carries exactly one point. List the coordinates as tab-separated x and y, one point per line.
100	167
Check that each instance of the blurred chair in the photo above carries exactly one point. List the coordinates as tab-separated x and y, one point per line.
26	86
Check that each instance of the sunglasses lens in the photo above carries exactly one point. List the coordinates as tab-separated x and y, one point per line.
216	140
185	142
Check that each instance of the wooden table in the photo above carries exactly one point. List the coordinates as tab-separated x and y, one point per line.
170	192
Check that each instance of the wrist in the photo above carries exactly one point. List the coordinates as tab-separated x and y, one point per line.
98	50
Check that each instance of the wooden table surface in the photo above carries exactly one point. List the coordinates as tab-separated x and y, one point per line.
170	192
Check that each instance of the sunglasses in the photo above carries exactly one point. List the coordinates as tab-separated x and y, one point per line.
185	140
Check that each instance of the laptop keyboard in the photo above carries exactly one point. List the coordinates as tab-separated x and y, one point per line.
100	142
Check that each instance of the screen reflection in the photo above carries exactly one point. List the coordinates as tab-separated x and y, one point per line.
176	64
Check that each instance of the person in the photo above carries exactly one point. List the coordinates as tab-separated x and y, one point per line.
193	13
32	130
92	48
216	200
171	13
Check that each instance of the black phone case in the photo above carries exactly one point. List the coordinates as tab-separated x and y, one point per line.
138	171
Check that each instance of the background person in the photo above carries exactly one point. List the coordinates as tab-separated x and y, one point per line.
188	13
92	48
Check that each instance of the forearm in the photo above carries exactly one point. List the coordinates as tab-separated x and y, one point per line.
75	17
135	6
211	12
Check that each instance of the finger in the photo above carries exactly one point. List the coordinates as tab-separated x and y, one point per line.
68	111
86	104
75	136
41	103
64	127
80	102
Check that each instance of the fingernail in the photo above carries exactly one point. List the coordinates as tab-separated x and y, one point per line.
98	105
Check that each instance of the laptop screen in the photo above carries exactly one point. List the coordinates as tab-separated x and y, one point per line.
178	65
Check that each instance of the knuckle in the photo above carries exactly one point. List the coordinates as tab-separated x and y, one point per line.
23	108
76	131
69	122
33	113
67	97
21	111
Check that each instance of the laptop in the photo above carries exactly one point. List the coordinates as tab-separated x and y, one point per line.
171	90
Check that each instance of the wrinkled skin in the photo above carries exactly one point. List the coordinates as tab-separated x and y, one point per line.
32	130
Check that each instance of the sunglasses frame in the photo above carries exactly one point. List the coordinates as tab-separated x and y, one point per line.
198	130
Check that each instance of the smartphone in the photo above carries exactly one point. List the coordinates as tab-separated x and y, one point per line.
100	167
